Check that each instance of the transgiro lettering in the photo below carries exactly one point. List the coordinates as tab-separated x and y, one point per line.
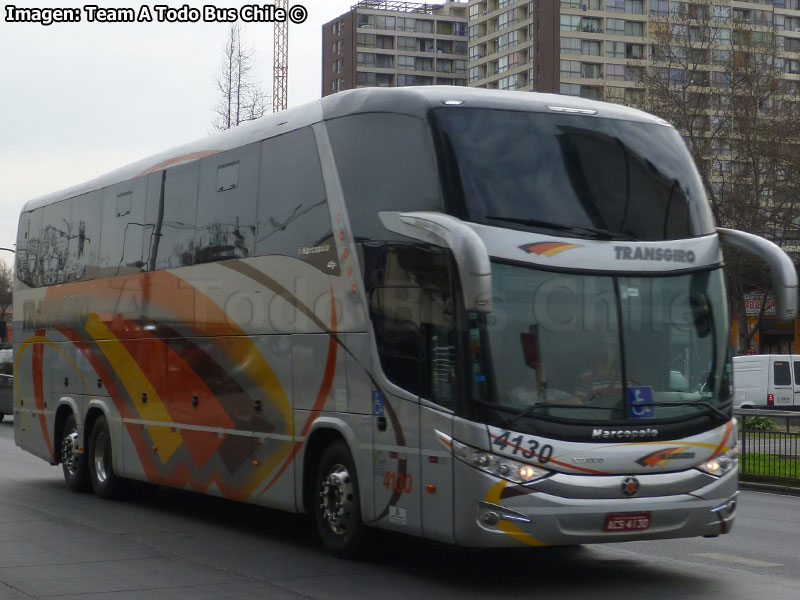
654	254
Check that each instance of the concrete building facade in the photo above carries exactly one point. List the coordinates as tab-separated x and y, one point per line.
600	48
591	48
388	43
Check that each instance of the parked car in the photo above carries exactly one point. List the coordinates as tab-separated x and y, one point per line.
6	395
766	381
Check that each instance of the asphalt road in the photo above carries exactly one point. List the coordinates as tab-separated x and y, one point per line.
58	544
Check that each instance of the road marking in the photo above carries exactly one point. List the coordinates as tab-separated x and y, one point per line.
738	559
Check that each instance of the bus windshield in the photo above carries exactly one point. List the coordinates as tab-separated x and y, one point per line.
608	349
576	175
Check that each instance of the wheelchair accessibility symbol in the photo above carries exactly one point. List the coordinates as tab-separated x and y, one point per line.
640	400
377	403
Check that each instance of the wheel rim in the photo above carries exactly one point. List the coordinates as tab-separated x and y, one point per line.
337	499
68	455
100	457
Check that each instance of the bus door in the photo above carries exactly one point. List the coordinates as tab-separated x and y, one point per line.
412	314
396	462
436	417
413	469
394	313
436	474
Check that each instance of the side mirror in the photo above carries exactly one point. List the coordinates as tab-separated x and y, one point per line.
471	256
701	314
784	274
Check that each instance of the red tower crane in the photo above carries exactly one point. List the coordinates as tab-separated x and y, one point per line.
280	60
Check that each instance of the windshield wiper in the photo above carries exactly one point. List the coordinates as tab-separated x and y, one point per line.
534	407
593	232
713	409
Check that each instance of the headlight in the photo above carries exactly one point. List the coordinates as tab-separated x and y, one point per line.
722	464
501	466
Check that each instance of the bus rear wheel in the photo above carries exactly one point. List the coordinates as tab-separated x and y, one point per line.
106	484
73	461
337	509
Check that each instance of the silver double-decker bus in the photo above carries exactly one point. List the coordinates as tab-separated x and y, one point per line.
485	318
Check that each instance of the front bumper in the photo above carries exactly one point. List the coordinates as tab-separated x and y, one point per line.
544	514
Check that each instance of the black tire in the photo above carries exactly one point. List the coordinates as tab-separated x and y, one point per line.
337	507
106	484
73	465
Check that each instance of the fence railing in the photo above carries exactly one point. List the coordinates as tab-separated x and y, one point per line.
769	445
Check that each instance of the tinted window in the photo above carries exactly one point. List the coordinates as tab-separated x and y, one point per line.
84	238
27	257
54	242
176	245
293	216
412	313
797	373
594	344
226	205
122	240
782	375
637	180
386	162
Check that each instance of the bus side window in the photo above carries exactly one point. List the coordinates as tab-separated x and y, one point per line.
122	241
176	243
293	215
226	205
27	255
54	242
84	238
395	317
412	312
386	162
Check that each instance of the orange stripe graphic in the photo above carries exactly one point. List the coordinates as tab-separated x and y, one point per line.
322	395
38	389
548	248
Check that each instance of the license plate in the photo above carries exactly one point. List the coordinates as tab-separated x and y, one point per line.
627	522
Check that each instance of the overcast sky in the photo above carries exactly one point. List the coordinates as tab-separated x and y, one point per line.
80	99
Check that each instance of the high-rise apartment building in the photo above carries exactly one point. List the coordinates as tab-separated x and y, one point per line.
606	45
513	44
390	43
600	48
591	48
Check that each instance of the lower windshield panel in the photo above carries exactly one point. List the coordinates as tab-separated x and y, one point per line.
599	349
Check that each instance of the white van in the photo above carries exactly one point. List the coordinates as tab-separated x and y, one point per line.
766	380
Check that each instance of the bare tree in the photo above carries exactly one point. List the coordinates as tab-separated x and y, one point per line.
241	96
685	57
6	289
717	75
757	192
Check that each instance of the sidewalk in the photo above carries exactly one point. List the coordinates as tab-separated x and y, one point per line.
769	488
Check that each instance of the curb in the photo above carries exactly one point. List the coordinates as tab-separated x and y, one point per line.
768	488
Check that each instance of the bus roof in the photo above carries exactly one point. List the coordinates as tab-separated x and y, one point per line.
415	101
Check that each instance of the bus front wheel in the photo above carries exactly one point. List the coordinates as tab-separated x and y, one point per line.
106	484
73	460
337	509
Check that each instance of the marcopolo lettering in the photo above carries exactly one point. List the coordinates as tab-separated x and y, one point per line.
654	254
623	434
